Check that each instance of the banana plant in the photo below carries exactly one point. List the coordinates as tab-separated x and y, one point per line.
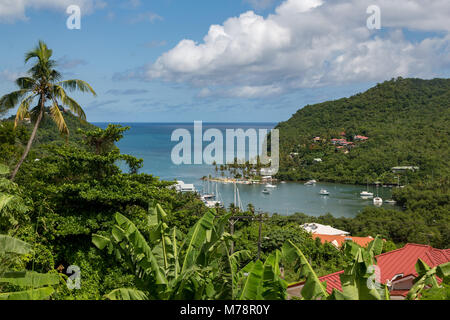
12	207
359	280
263	280
33	285
313	288
427	278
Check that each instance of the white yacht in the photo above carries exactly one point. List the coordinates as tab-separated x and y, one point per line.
377	201
324	192
271	186
391	201
366	194
310	183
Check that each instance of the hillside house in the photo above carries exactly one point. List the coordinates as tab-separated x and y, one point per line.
338	241
397	270
360	138
317	228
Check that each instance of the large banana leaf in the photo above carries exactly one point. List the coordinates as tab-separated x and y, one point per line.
196	239
358	280
253	274
32	294
30	279
129	242
273	286
427	278
126	294
313	288
12	245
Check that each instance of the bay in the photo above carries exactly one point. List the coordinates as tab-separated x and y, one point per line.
152	142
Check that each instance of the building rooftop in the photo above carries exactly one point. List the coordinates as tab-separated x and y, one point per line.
394	263
317	228
338	241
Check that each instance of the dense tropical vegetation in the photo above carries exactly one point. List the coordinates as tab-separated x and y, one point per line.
43	83
407	122
134	237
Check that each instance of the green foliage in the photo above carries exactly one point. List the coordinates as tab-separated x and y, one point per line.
163	268
427	278
406	120
31	285
102	141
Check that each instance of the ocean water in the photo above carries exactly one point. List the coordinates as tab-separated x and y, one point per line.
152	142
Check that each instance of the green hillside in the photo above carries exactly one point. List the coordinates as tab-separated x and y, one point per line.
12	142
406	121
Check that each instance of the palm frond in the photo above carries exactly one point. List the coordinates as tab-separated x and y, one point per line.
42	52
26	83
10	100
59	119
60	93
79	85
23	110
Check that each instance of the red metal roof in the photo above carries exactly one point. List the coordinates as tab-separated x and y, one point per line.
403	261
400	261
333	282
363	242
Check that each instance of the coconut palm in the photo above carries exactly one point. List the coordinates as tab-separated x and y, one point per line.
43	83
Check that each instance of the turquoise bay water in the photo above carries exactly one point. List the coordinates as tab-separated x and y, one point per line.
152	142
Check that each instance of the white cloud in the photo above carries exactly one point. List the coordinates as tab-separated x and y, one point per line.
310	43
12	10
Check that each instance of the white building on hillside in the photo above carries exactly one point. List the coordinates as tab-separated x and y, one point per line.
183	187
317	228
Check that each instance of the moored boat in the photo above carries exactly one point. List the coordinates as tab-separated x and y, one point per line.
310	183
378	201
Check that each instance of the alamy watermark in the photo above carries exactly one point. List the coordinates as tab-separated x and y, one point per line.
190	148
74	19
374	20
74	281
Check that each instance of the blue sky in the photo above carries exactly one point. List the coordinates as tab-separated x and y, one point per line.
149	61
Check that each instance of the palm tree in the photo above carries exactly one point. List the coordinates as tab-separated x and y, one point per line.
43	83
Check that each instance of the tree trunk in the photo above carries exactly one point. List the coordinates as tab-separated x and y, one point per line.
30	141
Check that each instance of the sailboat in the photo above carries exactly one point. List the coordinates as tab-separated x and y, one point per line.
212	200
378	201
310	183
237	198
366	194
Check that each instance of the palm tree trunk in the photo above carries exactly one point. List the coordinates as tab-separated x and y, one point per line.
30	141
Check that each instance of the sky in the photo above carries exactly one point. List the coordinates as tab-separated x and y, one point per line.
225	61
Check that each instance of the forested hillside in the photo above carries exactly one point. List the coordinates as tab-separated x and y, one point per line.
406	122
12	141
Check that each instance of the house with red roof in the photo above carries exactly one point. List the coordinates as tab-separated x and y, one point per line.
339	240
360	138
397	268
